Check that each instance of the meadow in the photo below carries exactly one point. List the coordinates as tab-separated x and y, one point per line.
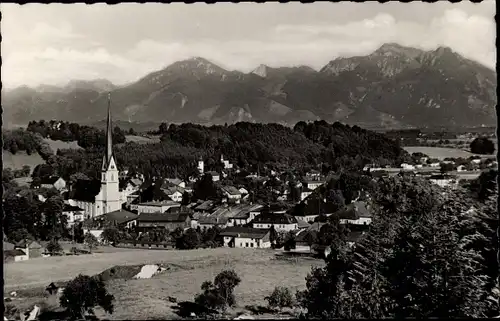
18	160
442	152
141	139
55	145
260	271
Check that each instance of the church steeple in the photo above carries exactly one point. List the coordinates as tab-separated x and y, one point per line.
109	138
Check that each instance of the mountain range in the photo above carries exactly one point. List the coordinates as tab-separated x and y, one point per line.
393	87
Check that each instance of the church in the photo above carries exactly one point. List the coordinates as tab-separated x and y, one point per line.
96	197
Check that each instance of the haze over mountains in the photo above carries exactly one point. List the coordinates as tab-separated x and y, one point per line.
393	87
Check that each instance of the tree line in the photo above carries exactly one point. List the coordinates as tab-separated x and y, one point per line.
246	145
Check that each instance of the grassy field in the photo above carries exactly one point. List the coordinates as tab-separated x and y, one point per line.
20	159
259	270
140	139
442	152
55	145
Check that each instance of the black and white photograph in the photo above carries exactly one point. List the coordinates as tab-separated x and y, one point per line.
250	161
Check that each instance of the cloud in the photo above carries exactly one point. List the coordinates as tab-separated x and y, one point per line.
55	54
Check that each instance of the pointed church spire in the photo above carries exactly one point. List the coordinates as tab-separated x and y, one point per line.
109	137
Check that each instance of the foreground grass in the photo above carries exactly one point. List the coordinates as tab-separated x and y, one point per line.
259	270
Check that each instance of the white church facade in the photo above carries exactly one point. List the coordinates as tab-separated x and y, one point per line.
109	198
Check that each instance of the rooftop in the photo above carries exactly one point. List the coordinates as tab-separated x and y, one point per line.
244	232
276	218
163	217
160	203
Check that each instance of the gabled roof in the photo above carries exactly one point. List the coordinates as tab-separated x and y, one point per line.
29	243
353	211
175	181
12	253
109	219
71	208
244	232
302	224
245	210
168	202
276	218
205	206
231	190
163	217
136	182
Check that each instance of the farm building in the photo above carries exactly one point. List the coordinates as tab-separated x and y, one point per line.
32	249
245	215
170	221
73	214
246	237
280	221
355	213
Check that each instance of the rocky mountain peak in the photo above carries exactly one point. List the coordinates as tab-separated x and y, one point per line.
261	71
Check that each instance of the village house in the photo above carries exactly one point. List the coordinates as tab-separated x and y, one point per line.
220	217
32	249
313	175
174	193
245	215
355	213
444	180
280	221
74	214
154	206
312	184
169	221
215	176
227	164
232	194
120	218
204	207
132	197
52	182
245	237
304	193
176	182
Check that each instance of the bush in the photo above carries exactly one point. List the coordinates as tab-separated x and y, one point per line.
482	145
280	298
83	294
54	247
91	241
219	294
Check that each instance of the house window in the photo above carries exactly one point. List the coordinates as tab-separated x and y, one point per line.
246	244
251	244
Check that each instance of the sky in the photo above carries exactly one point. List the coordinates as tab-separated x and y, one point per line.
55	43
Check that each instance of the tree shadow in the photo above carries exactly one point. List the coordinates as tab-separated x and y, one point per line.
185	309
259	309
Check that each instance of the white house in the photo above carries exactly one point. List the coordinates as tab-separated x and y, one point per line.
74	214
227	164
232	193
245	237
280	221
407	166
201	166
215	176
444	180
305	193
461	168
355	213
246	213
53	182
